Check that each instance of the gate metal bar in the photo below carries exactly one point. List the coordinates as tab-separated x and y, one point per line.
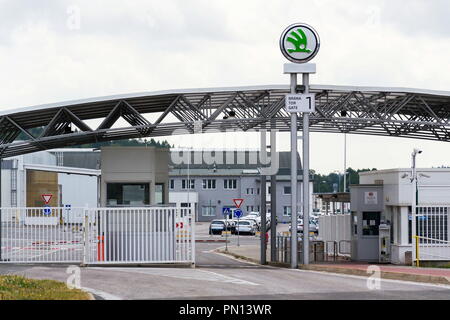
98	235
34	235
433	233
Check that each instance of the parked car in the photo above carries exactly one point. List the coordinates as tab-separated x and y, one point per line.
231	224
313	226
246	226
257	222
217	226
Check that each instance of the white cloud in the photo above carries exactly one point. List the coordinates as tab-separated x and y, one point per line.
131	46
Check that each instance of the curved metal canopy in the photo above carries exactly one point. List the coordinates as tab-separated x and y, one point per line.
401	112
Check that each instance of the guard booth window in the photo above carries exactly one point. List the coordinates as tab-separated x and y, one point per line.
370	223
127	194
159	193
355	222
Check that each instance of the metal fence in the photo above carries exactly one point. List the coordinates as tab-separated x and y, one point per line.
433	226
97	236
283	242
335	231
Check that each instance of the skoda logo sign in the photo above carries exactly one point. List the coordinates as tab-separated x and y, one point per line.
299	43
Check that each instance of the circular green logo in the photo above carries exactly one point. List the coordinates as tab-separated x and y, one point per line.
299	43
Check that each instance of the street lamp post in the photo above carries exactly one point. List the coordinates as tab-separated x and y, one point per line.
414	193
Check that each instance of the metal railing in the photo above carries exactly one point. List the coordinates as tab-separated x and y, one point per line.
97	235
41	235
433	234
428	249
283	243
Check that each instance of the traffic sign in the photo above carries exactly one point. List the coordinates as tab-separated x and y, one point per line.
238	202
47	210
226	211
300	103
179	225
46	198
299	43
238	213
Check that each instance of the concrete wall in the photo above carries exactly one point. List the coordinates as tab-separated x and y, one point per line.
6	188
134	165
75	196
433	185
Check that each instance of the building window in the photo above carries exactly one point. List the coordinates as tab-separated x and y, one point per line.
257	190
287	211
230	184
188	184
171	184
159	193
209	211
287	190
252	209
127	194
355	222
371	222
269	190
209	183
249	191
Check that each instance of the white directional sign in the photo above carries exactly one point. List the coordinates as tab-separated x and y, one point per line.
300	102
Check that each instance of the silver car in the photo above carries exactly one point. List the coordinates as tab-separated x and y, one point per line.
246	226
217	226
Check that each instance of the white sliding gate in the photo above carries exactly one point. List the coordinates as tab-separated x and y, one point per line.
433	228
97	236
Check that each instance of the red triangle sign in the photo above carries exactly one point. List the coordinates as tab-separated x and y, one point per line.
238	202
46	198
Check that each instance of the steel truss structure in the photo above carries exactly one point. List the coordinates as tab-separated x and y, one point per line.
398	112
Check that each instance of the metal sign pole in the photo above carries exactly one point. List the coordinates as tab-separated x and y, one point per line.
262	229
226	232
299	43
294	262
238	233
413	208
306	176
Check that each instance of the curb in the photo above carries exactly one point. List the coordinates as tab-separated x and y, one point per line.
91	296
384	274
212	240
357	272
244	258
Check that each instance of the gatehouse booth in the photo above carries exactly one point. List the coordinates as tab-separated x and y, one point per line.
366	217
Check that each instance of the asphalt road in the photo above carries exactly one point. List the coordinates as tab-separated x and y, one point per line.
219	276
245	281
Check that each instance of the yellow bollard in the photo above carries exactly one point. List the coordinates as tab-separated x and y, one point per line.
417	251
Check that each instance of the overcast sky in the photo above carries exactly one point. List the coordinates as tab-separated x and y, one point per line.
53	51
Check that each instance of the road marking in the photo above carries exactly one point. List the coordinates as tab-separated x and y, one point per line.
189	274
230	279
438	285
102	294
